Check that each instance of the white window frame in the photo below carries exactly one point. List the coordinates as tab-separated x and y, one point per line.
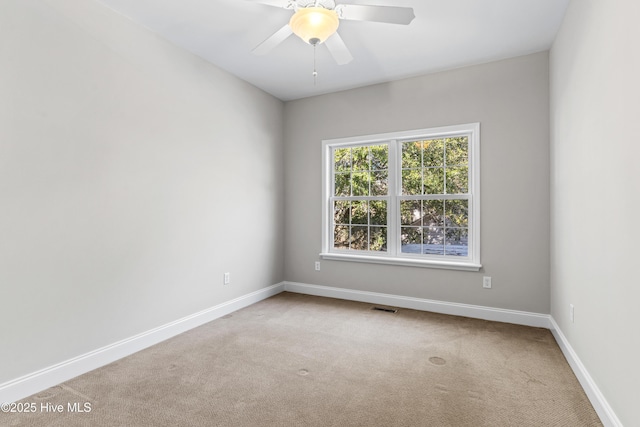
393	255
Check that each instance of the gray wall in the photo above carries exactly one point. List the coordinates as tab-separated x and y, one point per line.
132	176
510	99
595	194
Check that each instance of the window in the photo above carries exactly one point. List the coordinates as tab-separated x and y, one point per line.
407	198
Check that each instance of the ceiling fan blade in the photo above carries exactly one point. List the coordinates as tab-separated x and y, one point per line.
388	14
338	49
275	3
273	41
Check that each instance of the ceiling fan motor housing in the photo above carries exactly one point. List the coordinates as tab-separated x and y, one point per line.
327	4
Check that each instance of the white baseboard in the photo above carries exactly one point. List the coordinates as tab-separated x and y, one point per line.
27	385
456	309
600	404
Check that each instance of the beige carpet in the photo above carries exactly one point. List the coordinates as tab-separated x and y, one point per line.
298	360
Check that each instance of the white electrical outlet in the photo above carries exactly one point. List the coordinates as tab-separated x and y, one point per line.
227	278
317	265
571	311
486	282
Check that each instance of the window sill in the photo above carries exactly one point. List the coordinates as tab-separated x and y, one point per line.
407	262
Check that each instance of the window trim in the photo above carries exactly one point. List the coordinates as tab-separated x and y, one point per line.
470	263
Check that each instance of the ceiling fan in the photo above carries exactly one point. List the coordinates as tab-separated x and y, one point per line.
316	22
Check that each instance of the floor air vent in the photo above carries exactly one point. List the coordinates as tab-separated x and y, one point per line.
386	310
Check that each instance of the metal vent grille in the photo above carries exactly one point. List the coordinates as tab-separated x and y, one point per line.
385	309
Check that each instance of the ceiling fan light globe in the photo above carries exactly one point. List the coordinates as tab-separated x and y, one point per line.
314	23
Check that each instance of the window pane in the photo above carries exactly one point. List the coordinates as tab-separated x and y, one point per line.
342	159
378	212
343	185
457	180
378	239
379	157
433	213
434	181
457	213
359	212
410	212
359	238
360	158
433	153
412	182
457	242
433	241
360	183
341	212
411	240
457	151
380	183
341	237
412	155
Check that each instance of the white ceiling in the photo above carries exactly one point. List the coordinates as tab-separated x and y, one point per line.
445	34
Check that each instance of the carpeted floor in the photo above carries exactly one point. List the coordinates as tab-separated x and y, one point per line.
299	360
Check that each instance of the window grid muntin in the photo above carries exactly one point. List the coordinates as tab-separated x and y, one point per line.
444	166
369	224
400	196
422	228
371	170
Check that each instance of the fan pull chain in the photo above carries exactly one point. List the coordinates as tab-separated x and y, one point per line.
315	73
